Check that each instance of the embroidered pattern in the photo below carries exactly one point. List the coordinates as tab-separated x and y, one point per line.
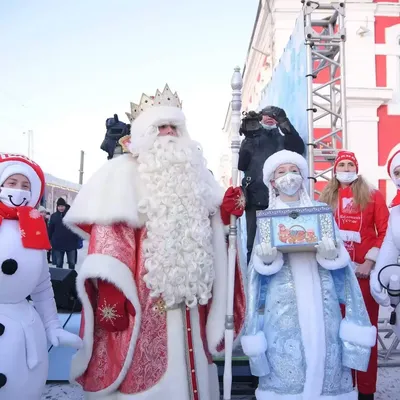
109	313
240	201
34	214
22	232
160	307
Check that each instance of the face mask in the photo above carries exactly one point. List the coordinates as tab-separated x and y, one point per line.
289	184
268	127
14	197
346	177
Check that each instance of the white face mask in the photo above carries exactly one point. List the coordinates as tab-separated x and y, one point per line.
289	184
14	197
346	177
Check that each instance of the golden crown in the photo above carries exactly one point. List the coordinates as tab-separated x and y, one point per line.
164	98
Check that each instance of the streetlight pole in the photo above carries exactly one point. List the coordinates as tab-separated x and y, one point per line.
81	167
30	143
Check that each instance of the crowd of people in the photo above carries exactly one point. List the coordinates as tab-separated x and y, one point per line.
154	284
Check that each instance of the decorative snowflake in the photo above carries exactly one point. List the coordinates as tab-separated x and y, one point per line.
22	232
240	202
109	312
34	214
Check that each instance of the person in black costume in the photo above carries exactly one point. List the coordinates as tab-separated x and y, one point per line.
274	133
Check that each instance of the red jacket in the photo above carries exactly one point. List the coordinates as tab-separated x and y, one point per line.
373	229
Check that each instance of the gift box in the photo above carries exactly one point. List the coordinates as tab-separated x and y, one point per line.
295	229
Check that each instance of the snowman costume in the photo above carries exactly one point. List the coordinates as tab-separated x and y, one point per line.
390	252
24	271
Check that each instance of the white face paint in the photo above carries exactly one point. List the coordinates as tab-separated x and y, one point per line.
397	182
346	177
289	183
14	197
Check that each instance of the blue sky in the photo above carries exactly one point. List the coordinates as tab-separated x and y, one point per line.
68	65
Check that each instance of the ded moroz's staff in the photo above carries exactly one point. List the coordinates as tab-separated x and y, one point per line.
236	104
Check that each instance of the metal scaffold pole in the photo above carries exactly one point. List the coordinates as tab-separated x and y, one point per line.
325	41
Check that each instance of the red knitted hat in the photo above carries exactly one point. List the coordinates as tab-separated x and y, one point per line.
11	164
345	155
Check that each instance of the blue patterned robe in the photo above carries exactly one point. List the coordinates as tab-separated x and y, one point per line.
310	349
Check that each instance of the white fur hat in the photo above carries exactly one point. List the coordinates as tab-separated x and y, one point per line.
12	164
284	157
393	163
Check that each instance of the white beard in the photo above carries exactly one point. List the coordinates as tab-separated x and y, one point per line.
178	202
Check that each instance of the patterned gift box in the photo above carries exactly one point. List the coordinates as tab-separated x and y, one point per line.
295	229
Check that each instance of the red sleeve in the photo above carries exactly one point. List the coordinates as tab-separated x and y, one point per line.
381	217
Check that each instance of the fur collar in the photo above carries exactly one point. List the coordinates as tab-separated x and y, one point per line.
110	196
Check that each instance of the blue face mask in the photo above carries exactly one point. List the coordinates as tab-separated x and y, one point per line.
268	127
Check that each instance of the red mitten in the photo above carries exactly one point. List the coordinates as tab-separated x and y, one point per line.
232	204
111	313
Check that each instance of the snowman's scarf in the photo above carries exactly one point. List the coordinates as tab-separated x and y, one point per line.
31	224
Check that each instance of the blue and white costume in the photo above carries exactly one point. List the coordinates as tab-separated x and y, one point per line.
301	347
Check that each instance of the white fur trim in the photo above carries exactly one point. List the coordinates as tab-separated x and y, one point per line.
215	328
144	128
173	384
307	282
394	163
8	168
268	269
350	236
284	157
356	334
110	196
266	395
226	229
254	345
114	271
372	254
213	382
341	261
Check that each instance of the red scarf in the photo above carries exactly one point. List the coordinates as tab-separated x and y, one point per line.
32	226
348	217
396	201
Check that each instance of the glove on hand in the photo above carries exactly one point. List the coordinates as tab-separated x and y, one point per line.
266	253
112	308
278	114
377	291
61	337
326	249
233	204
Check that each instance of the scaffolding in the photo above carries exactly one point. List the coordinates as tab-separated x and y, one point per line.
325	38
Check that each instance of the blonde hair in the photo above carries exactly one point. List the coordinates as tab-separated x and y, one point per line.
361	192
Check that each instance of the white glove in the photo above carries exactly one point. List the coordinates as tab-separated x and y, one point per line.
377	291
266	253
60	337
326	249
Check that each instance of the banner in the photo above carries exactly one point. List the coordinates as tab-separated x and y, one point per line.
287	88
